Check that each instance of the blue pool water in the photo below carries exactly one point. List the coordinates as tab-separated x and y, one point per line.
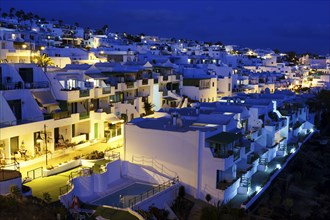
114	198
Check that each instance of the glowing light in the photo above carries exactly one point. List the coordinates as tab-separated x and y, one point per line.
293	150
312	130
278	166
258	189
24	46
102	52
42	48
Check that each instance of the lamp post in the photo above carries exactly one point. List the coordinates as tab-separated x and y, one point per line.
39	139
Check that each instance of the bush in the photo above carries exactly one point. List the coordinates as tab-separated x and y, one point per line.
94	155
182	192
15	191
208	197
47	197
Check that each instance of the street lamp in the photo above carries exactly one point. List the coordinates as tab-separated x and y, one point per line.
39	140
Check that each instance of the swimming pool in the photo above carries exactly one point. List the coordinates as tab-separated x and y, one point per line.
114	198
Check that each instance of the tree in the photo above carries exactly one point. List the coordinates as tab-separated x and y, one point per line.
208	198
19	14
4	15
277	51
47	197
11	12
182	192
105	29
43	61
148	107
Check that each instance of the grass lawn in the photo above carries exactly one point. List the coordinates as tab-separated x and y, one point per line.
50	184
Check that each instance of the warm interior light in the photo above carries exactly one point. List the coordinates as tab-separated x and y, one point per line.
39	139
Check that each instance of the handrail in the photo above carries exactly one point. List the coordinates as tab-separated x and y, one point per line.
156	189
155	164
21	121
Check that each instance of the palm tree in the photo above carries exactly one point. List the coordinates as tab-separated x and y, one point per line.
19	14
148	107
4	15
11	12
43	61
105	29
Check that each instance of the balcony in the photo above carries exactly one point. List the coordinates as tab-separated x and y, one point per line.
130	85
20	85
75	94
60	115
84	93
106	90
228	184
83	115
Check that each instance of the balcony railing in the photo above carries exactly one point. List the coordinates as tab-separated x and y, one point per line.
20	85
130	84
83	93
156	189
60	115
83	115
106	90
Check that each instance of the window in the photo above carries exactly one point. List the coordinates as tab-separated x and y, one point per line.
229	87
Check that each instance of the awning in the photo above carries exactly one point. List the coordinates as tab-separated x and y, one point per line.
114	119
45	98
97	76
170	98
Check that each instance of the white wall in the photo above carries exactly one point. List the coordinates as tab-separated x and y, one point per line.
176	151
5	185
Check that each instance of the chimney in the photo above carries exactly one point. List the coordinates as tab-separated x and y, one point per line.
175	116
197	109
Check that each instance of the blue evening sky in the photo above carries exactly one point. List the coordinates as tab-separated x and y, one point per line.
299	25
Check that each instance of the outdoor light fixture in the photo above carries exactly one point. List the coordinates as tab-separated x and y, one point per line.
293	150
258	188
39	139
278	166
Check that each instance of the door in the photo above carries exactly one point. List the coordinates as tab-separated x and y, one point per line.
16	107
13	144
96	130
26	74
